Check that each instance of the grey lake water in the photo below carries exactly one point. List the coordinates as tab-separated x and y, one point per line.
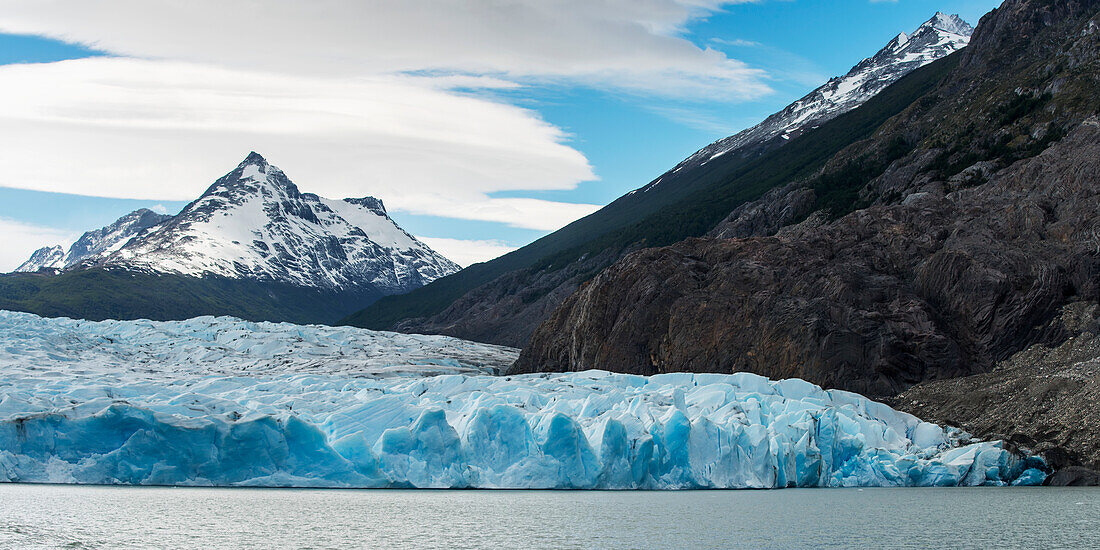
60	516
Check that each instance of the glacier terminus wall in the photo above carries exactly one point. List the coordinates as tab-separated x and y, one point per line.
70	416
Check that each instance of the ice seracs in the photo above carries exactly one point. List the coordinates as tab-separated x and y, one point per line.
226	346
216	401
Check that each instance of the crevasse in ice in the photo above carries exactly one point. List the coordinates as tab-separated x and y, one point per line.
67	418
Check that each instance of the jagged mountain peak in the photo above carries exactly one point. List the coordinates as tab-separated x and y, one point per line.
250	176
255	167
45	258
254	158
254	223
951	23
95	245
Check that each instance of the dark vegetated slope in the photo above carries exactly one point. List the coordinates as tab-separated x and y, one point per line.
982	223
98	294
685	204
702	210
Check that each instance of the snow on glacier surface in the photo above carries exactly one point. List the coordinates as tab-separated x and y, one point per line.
220	401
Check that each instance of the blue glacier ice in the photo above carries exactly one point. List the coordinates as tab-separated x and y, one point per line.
220	401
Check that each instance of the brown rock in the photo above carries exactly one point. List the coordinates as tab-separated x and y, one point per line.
1042	399
875	302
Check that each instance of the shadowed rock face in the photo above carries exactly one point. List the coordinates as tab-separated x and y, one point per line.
937	287
1043	399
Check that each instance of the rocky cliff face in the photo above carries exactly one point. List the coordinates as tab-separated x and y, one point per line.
1042	399
975	244
884	298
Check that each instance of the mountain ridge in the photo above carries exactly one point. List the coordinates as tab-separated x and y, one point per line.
251	233
940	35
94	244
501	301
255	223
948	261
325	243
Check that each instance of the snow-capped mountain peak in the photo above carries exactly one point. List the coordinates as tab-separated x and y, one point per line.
256	167
948	23
47	257
254	223
95	245
938	37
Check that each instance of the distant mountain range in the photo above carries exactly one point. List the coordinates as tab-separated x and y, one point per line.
251	227
503	300
923	231
94	245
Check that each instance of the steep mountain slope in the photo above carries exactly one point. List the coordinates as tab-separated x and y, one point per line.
936	38
94	246
951	239
252	246
503	300
938	287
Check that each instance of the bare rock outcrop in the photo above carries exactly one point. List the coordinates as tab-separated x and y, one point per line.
1043	399
937	287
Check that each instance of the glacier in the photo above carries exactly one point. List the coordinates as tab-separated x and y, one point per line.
221	401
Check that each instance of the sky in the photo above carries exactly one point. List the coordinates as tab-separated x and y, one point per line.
482	125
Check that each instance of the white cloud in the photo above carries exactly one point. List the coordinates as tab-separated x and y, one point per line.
692	118
615	43
516	212
159	209
466	253
739	42
21	239
159	130
350	98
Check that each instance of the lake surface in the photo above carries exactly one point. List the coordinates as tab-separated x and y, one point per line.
65	516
